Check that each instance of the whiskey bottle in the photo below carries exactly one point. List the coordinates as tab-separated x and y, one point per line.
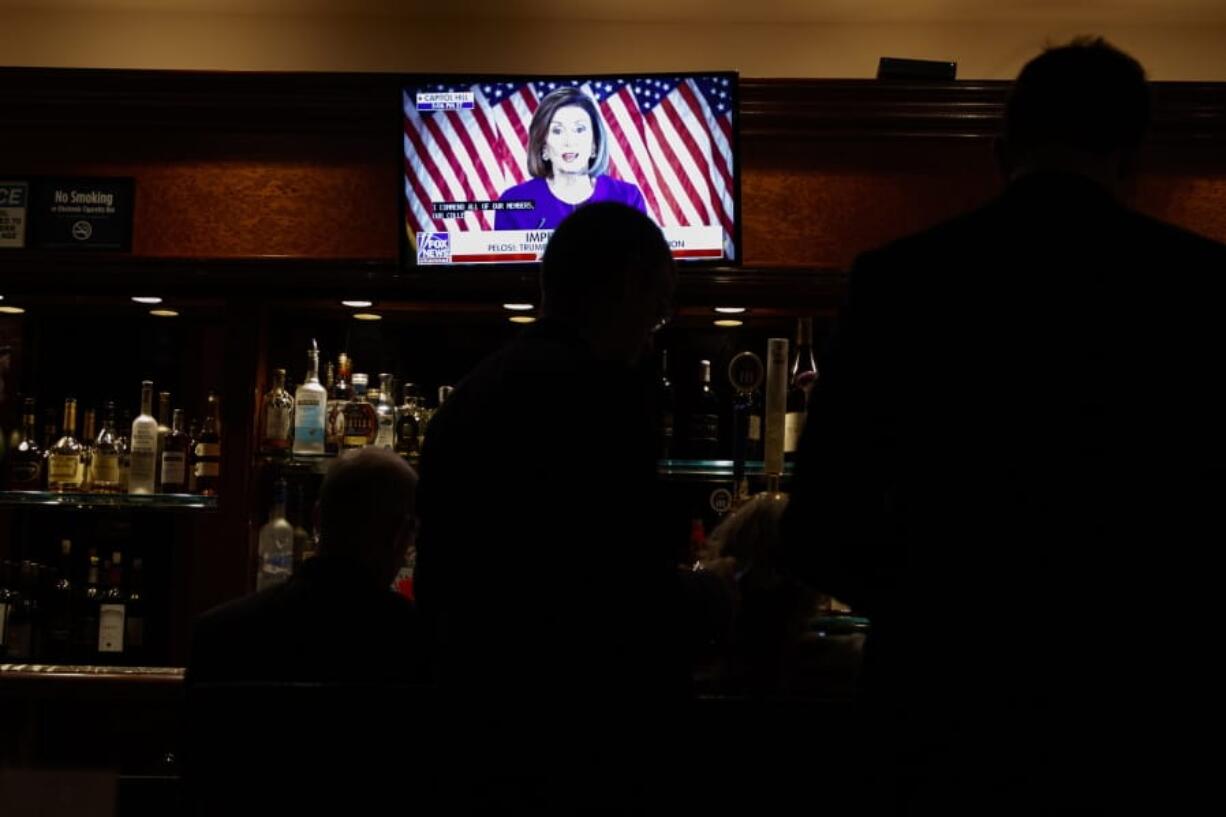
26	462
338	395
310	409
360	418
89	430
106	456
142	474
112	611
408	423
61	602
278	422
124	443
85	627
385	415
134	619
702	427
175	451
64	460
206	457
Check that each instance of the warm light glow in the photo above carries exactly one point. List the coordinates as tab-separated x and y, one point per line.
358	304
730	310
729	322
163	313
147	299
11	310
367	316
518	307
522	319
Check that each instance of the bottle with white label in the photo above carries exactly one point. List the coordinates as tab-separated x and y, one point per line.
142	471
112	607
385	415
175	451
276	544
206	456
310	409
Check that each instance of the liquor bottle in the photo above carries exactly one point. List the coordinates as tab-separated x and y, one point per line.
408	423
112	609
193	434
276	548
385	415
702	428
666	408
277	427
361	422
163	430
206	456
175	452
106	471
64	460
142	473
89	431
310	409
85	639
803	375
338	396
123	442
61	602
25	461
444	394
134	620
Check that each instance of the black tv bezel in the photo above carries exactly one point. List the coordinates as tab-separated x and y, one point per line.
408	258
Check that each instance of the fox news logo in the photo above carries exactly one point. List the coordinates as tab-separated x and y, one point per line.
433	248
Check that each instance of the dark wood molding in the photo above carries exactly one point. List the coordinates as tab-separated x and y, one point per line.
771	109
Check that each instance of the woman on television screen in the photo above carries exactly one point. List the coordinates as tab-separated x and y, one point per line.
568	154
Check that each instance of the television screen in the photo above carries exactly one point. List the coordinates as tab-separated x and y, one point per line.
492	166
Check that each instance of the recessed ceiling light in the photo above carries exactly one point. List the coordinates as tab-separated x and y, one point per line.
518	307
11	310
730	310
358	304
367	316
147	299
163	313
729	322
522	319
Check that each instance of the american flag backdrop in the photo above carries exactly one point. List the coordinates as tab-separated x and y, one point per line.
671	136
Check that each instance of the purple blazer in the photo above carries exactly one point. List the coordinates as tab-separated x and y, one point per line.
549	210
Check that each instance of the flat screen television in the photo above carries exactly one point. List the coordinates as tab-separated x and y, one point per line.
493	164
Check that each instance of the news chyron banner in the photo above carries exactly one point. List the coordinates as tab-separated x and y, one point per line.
660	144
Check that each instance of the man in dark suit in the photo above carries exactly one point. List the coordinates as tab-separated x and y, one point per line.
314	682
336	619
1011	459
541	567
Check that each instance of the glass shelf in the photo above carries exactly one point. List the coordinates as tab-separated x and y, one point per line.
713	468
150	501
699	469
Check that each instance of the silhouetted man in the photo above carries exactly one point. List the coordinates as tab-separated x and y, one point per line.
336	619
1010	459
541	565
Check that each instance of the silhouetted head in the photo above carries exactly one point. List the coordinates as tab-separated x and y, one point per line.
366	510
1081	108
608	273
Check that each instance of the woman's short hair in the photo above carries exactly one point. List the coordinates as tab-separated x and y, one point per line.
539	167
